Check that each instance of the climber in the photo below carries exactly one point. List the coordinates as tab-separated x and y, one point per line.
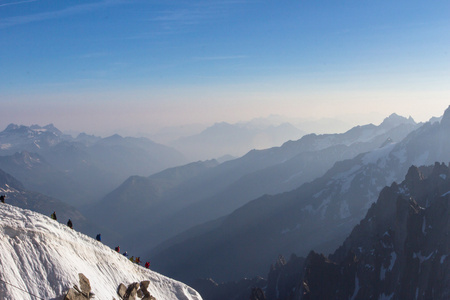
2	198
132	259
147	265
138	260
99	237
53	216
117	249
125	253
69	223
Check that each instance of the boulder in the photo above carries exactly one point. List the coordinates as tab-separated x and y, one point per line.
140	293
72	294
82	293
132	291
144	285
85	285
135	289
121	291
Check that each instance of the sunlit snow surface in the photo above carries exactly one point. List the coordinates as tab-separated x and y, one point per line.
44	257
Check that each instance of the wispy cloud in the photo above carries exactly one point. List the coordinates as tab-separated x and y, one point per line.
194	13
95	55
229	57
16	3
72	10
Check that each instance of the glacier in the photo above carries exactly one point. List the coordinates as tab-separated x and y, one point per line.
40	258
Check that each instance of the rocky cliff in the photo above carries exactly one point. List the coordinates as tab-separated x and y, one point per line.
400	250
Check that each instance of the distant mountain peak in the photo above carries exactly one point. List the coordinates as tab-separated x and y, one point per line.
413	175
446	117
14	127
34	129
11	126
50	127
114	137
395	120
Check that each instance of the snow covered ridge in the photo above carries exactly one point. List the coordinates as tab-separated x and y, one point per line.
41	257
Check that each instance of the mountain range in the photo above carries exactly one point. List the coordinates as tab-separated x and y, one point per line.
223	139
224	221
318	215
82	169
399	250
169	205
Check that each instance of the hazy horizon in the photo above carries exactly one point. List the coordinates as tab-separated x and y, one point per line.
136	67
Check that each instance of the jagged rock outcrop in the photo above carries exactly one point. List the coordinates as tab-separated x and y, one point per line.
135	290
284	276
80	293
399	250
257	294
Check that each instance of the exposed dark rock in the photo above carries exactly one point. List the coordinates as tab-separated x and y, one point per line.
82	293
140	293
401	251
144	285
121	290
72	294
284	277
135	289
84	284
257	294
131	291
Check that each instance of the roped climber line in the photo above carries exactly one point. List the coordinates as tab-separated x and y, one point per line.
21	289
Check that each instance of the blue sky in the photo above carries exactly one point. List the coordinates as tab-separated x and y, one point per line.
151	64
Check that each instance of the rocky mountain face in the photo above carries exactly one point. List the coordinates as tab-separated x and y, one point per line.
318	215
284	277
78	170
218	190
400	250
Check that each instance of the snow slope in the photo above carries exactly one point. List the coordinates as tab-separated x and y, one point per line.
44	257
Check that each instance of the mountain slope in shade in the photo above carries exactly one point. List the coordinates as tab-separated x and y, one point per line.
82	169
18	195
38	175
303	167
400	250
41	257
218	190
318	215
143	198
